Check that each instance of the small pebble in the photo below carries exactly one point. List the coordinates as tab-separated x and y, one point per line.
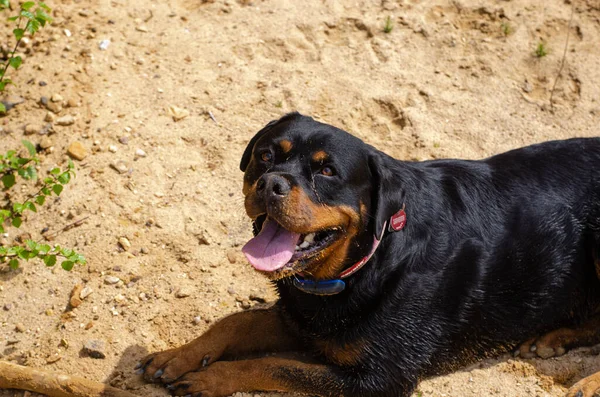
54	107
197	320
120	167
72	103
231	291
46	143
141	28
8	306
42	83
124	243
85	292
31	129
50	117
65	120
111	279
124	140
177	113
183	293
104	44
56	98
140	153
94	348
67	32
77	151
75	299
20	327
112	149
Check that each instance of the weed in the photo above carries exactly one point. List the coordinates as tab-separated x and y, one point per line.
541	50
11	212
33	16
506	28
389	25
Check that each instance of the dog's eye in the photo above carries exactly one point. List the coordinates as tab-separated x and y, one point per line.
327	171
266	156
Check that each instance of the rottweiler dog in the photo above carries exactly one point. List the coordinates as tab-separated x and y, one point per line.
391	271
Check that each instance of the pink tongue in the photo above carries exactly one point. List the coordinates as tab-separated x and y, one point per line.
272	248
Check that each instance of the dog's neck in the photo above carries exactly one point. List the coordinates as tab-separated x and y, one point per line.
335	286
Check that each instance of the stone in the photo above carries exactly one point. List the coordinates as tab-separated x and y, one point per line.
94	348
183	292
77	151
177	113
112	148
56	98
140	153
46	143
72	103
124	243
111	279
20	327
31	129
54	107
124	140
65	120
75	299
8	306
120	167
50	117
85	292
197	320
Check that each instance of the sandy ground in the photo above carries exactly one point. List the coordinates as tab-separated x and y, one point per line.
452	79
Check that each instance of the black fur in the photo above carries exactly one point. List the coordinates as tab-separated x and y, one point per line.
494	252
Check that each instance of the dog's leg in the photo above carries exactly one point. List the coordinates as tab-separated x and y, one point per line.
587	387
238	334
557	342
224	378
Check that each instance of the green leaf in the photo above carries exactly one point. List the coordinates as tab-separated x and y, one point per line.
67	265
4	4
44	6
40	199
1	229
64	178
15	62
2	107
27	5
26	14
30	147
50	260
12	19
55	171
66	252
30	173
32	245
19	33
14	264
9	180
33	26
57	189
45	190
42	17
30	206
18	208
45	248
17	221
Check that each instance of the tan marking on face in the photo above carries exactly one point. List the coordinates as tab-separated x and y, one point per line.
320	156
286	145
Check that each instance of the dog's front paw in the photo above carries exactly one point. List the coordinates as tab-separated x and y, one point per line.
552	344
214	381
169	365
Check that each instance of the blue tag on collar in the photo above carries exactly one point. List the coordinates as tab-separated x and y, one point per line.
326	287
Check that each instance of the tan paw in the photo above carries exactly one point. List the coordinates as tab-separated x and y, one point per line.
169	365
214	381
552	344
587	387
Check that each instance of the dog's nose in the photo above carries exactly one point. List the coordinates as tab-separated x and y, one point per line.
273	185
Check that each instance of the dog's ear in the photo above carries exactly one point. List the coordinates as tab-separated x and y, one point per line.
248	152
387	195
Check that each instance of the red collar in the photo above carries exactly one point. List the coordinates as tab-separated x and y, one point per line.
397	222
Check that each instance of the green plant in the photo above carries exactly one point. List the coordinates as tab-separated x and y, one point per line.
34	16
541	50
506	28
11	213
389	25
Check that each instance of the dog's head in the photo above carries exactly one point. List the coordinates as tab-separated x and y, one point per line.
316	195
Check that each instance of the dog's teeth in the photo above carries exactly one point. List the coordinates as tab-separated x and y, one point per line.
310	238
305	244
297	248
